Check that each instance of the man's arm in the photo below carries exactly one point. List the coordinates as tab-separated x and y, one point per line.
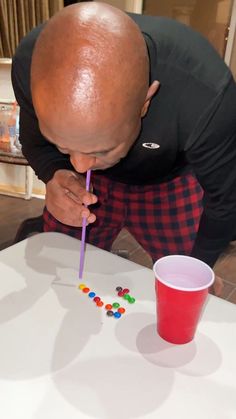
65	189
213	158
42	156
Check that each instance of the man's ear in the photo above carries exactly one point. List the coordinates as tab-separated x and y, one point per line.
150	93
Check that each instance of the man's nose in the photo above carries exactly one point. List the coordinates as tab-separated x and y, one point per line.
82	162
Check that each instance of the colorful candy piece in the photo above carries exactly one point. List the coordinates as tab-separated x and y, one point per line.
86	290
110	313
118	289
115	305
117	315
81	286
108	306
100	303
131	300
121	310
96	299
126	297
121	294
126	291
91	294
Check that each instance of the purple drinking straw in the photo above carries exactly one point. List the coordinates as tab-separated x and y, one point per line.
84	223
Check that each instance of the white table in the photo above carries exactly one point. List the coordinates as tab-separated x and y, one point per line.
62	357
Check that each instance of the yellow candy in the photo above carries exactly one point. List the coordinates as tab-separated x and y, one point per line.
81	286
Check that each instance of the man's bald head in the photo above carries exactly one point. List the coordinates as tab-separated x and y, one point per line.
89	69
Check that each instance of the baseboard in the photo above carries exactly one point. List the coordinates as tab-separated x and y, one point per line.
13	189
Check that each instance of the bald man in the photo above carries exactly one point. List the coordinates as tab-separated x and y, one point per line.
149	106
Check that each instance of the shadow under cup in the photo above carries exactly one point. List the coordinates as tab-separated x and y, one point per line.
182	284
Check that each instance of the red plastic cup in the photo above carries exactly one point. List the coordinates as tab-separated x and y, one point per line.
182	284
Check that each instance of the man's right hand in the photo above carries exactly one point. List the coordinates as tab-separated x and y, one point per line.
66	197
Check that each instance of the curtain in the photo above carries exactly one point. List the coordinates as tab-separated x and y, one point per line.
18	17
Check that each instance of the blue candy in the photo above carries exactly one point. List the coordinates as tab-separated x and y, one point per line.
91	294
117	315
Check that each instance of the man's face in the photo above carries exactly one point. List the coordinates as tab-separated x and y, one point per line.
96	150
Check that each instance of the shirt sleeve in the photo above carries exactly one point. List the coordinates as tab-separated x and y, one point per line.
213	158
42	156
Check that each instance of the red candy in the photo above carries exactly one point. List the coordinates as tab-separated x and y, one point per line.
100	303
96	299
85	290
125	291
121	293
108	307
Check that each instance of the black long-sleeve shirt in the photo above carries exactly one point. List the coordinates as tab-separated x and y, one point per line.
192	118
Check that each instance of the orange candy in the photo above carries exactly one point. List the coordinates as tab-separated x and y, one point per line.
85	290
108	307
121	310
100	303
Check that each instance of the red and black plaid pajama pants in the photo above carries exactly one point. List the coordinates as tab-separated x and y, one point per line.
163	218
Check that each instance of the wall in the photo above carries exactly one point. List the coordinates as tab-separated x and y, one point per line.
211	17
233	58
231	46
12	177
127	5
120	4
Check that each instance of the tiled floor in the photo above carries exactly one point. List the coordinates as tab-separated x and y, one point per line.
225	266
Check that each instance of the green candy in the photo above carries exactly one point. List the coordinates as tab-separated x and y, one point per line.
131	300
126	297
116	305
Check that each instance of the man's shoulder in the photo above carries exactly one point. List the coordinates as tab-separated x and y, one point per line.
26	45
158	24
181	49
21	63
